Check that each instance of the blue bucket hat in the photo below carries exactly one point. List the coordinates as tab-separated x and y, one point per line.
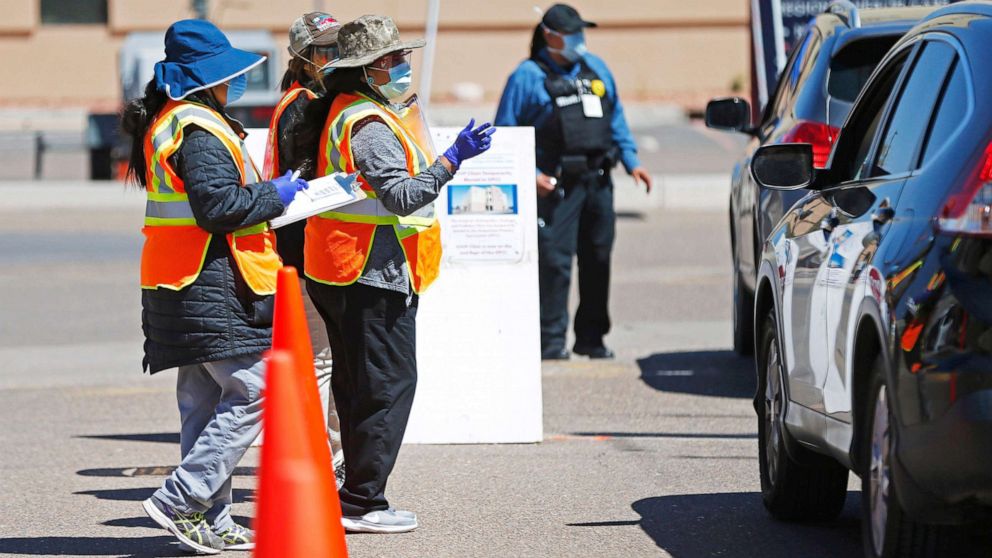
198	56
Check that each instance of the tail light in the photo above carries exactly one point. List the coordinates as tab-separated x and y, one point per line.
820	136
970	210
262	114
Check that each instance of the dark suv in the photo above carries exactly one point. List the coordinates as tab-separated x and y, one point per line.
824	74
874	302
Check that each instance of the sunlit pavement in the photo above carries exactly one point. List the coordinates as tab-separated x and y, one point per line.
652	454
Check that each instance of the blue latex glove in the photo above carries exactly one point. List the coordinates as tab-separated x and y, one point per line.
287	186
470	143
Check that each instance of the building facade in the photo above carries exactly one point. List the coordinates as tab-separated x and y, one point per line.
62	53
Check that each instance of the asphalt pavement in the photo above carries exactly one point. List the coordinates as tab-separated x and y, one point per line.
652	454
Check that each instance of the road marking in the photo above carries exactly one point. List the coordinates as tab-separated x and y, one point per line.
676	373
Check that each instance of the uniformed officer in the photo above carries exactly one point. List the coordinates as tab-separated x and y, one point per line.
570	97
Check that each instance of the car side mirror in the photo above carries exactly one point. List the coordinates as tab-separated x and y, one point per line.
784	166
730	113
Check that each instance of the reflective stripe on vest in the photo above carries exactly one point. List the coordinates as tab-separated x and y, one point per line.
338	242
175	247
339	141
270	167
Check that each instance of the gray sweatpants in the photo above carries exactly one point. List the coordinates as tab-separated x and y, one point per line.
220	406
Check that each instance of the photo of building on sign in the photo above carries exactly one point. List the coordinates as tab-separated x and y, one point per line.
499	199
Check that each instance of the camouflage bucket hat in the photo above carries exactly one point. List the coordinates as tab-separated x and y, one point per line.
368	38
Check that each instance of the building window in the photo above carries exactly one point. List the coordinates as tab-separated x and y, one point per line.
58	12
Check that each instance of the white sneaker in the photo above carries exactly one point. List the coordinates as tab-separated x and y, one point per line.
382	521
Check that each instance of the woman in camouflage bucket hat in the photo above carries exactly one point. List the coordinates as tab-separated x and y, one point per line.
358	263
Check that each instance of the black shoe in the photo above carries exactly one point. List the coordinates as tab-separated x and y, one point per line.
555	354
593	351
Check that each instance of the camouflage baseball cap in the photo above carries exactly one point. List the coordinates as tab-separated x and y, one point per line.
314	28
368	38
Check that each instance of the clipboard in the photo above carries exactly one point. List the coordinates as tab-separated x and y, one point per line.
324	194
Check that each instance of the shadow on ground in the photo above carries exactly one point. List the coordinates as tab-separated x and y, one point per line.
156	437
150	471
713	373
146	522
736	525
703	435
92	546
139	494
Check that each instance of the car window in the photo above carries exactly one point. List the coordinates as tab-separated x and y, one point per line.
950	112
809	59
897	152
851	67
789	78
859	133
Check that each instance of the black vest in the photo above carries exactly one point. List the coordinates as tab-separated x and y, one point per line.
571	141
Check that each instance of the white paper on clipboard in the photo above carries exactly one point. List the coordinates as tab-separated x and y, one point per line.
324	194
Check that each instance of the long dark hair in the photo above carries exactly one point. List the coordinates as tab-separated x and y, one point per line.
297	70
307	136
138	115
537	41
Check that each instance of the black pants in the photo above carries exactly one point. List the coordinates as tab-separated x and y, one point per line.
373	335
579	223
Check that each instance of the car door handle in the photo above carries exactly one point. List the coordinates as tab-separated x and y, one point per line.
828	223
882	215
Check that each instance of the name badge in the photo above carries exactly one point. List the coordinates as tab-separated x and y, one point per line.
592	106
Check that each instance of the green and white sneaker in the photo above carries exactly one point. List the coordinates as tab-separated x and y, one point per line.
191	529
382	521
237	537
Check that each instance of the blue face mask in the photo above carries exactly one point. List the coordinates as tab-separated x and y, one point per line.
400	80
236	88
574	48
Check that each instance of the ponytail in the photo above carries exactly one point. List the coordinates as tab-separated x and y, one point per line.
135	120
537	42
137	117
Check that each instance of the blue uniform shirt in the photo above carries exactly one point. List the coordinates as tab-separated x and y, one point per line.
525	102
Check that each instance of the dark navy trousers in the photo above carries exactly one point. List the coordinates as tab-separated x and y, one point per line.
576	221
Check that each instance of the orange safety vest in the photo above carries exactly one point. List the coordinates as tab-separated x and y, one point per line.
270	168
175	247
338	242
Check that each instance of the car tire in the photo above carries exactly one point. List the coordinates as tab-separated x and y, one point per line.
886	531
743	316
796	484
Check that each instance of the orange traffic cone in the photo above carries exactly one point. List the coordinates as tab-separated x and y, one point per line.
290	332
298	512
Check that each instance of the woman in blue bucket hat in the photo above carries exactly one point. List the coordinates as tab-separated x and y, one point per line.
208	272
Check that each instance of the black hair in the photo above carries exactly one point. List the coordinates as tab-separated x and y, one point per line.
537	42
297	70
139	114
307	136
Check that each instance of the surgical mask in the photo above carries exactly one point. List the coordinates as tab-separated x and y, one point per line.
400	80
236	88
574	48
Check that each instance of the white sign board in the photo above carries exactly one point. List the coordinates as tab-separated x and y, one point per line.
478	326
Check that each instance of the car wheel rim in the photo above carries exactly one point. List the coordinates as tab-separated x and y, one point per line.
773	412
879	472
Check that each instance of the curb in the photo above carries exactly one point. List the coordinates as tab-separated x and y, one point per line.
696	192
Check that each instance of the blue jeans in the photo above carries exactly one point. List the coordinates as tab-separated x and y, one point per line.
220	406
